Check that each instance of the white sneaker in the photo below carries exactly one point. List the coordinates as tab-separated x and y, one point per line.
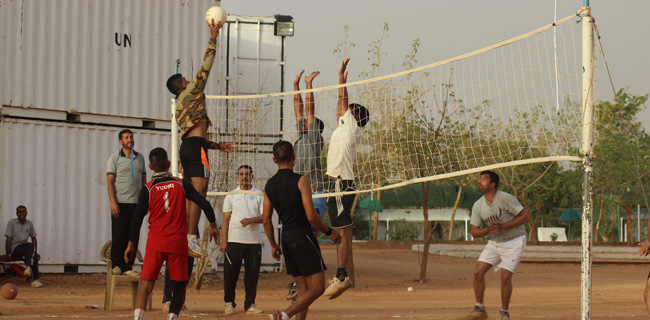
172	316
116	270
337	287
229	309
36	284
194	248
131	273
253	309
28	272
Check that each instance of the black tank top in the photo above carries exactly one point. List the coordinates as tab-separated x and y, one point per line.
282	190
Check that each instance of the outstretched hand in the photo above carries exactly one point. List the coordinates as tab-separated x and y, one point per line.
644	248
226	147
214	31
343	75
296	81
311	77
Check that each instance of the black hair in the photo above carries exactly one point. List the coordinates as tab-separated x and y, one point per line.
245	166
360	112
282	151
123	132
494	177
321	126
173	83
158	159
21	206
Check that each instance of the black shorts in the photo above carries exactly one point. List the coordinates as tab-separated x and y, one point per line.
194	158
344	219
302	256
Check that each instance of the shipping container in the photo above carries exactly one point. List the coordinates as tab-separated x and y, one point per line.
58	171
107	62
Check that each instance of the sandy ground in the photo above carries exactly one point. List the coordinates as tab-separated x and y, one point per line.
384	272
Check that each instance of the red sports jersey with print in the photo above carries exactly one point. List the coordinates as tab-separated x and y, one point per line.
167	216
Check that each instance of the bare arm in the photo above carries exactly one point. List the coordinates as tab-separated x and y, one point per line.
268	227
8	245
115	209
478	232
309	107
246	221
342	105
314	219
225	225
297	98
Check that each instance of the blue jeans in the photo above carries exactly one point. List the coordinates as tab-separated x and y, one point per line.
320	204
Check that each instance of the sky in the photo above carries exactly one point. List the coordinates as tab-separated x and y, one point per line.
450	28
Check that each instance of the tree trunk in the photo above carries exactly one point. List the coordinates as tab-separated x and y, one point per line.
600	215
375	225
453	213
428	230
628	211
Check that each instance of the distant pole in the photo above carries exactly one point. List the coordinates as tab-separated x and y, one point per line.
174	129
587	151
638	222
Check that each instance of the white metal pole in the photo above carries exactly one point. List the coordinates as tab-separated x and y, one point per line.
465	229
587	151
174	145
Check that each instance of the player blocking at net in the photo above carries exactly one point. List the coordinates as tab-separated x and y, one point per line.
290	195
340	157
164	197
505	218
192	117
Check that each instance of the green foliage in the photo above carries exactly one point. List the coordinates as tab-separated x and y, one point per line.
361	230
404	230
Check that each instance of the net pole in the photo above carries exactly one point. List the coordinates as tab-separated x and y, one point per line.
587	152
174	130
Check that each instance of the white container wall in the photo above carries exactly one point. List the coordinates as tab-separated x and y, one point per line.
98	57
58	171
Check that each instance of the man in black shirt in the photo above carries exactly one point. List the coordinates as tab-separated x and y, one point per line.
290	195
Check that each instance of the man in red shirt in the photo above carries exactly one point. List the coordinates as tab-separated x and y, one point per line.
164	198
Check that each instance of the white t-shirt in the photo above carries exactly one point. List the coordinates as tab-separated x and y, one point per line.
343	147
244	206
504	208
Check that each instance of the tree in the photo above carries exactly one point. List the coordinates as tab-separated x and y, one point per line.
622	150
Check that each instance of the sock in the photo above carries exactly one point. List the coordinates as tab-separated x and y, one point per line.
285	316
191	237
341	274
480	305
138	314
504	311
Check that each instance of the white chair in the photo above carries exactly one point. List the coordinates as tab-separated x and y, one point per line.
112	280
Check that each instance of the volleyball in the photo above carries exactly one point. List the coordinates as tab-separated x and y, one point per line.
215	16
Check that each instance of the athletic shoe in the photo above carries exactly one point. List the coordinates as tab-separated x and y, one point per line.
504	315
131	273
116	270
275	316
172	316
36	284
337	287
478	313
28	272
194	248
253	309
229	309
293	290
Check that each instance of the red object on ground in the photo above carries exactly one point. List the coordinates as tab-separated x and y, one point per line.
9	291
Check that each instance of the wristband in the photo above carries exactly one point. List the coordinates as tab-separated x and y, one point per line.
329	231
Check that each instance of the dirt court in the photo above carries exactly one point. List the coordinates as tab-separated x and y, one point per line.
384	272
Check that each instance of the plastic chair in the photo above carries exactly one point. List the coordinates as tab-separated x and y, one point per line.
112	280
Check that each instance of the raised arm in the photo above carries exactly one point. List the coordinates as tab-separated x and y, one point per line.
297	98
198	85
342	105
309	108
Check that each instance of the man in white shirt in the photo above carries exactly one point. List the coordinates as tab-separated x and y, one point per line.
241	234
503	217
340	157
